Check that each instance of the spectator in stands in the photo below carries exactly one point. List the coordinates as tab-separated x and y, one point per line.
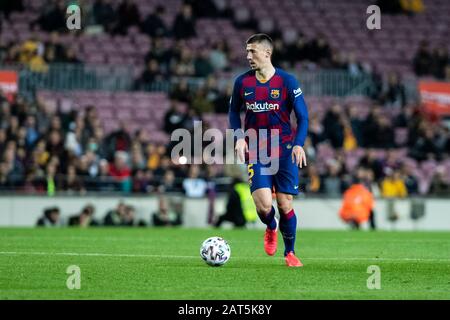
168	183
333	126
15	167
439	61
154	24
181	92
371	126
194	186
73	141
50	218
32	134
127	16
280	57
371	161
218	56
350	142
384	133
55	45
72	183
422	60
120	171
118	140
153	157
37	62
103	182
411	183
319	50
298	51
12	55
29	49
440	185
165	215
393	185
149	76
354	68
425	146
55	144
221	103
356	124
4	176
332	184
104	14
137	157
142	181
85	218
184	67
71	56
200	102
202	65
184	24
316	130
314	185
174	117
393	93
53	18
160	53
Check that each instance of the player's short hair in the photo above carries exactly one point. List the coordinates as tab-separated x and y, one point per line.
261	38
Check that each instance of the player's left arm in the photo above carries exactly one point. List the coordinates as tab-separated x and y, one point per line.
295	96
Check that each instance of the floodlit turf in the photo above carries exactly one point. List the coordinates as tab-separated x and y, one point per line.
152	263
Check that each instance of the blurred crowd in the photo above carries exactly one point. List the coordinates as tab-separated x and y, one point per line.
45	151
50	151
345	131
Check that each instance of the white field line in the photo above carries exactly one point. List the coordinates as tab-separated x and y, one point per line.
125	255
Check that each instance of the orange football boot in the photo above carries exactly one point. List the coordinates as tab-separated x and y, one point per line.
271	240
292	260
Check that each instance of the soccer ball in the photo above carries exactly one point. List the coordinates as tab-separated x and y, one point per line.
215	251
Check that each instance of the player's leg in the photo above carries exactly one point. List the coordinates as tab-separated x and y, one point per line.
286	185
263	202
261	189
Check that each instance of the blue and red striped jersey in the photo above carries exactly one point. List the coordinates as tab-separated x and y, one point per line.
268	105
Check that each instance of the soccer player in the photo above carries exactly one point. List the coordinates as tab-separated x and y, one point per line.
269	95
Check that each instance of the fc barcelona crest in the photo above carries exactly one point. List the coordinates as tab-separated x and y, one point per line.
275	93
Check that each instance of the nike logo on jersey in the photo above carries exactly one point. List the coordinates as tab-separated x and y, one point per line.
247	93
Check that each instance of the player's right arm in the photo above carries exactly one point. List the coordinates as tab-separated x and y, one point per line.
235	119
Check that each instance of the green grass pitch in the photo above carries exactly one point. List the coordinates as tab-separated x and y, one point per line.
150	263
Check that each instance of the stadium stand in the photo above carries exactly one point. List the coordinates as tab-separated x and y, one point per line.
112	87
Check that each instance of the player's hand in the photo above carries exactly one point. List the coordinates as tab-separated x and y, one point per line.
298	156
241	148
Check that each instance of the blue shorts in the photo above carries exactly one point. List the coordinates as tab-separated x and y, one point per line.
285	179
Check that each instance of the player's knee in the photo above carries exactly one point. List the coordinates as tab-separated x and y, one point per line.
284	207
264	208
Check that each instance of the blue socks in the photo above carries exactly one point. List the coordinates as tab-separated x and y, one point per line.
269	219
288	228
